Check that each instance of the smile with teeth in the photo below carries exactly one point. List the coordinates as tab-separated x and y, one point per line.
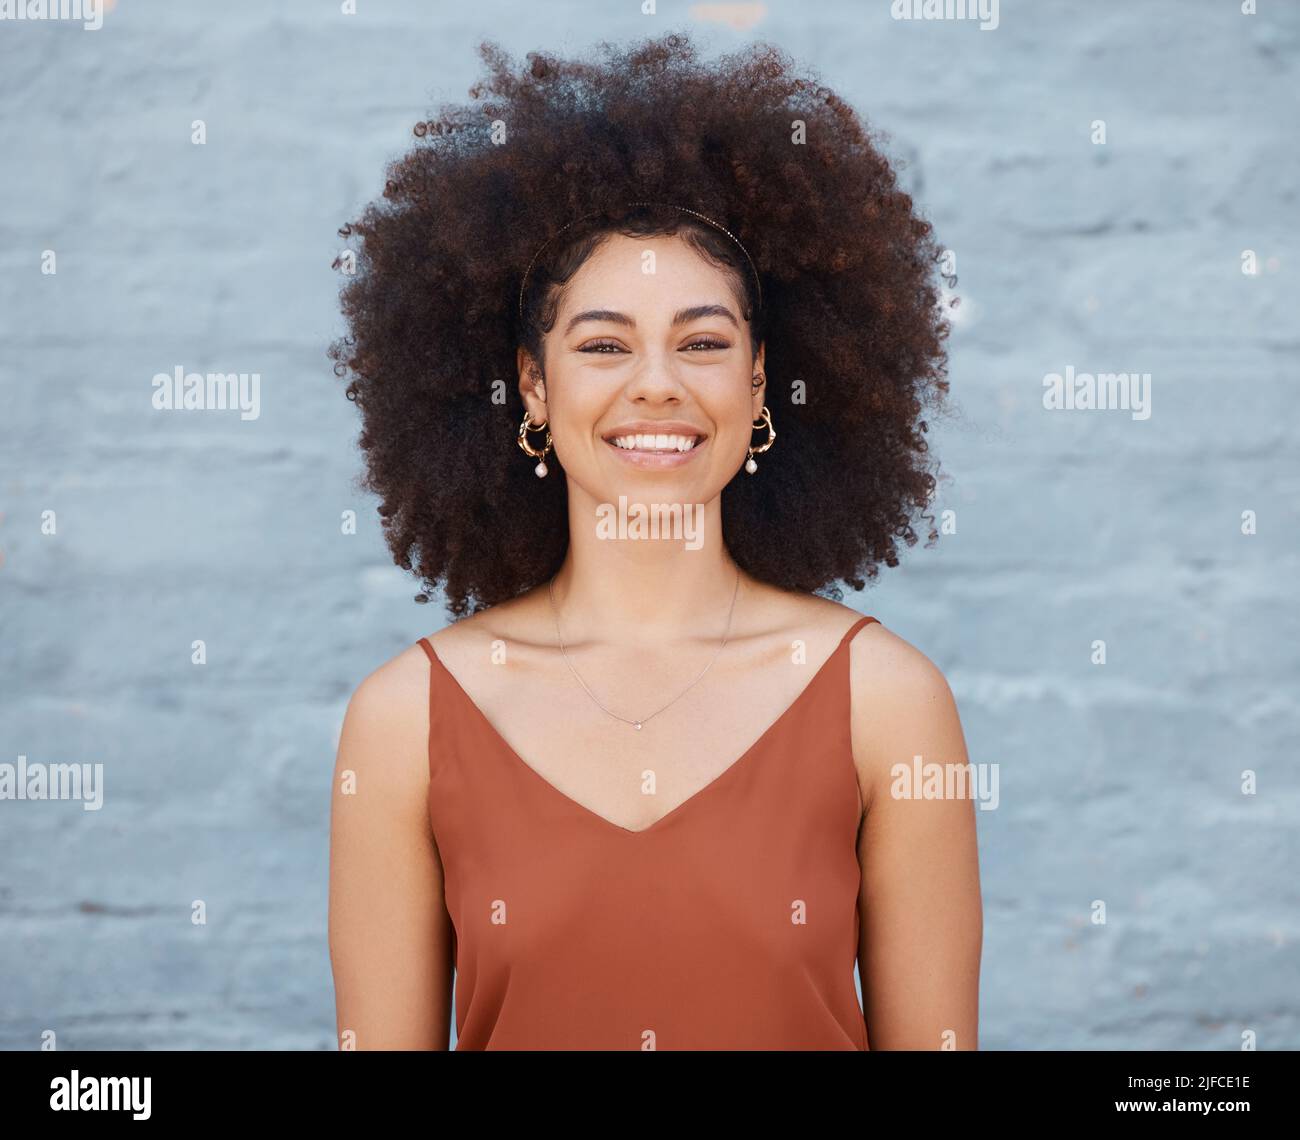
655	443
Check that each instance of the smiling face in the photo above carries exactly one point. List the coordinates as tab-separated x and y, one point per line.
649	376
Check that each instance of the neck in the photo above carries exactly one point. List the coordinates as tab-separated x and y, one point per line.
619	583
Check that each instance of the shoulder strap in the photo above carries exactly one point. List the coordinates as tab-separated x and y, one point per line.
857	625
435	666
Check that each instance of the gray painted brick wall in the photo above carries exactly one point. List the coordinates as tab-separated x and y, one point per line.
1119	782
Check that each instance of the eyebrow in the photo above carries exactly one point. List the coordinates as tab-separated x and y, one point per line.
681	317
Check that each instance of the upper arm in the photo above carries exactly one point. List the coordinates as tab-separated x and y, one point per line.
389	932
920	906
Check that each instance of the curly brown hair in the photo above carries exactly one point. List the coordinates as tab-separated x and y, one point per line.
851	314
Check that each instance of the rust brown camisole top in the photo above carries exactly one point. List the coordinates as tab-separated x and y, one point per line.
730	923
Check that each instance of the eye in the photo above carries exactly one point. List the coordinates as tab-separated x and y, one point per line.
705	344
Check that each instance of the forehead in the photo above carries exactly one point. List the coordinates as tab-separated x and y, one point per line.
649	271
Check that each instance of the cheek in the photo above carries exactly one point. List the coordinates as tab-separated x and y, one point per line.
731	419
574	411
576	406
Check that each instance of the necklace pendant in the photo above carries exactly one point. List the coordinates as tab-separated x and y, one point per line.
637	724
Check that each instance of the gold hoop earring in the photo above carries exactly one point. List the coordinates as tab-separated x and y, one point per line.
764	420
540	456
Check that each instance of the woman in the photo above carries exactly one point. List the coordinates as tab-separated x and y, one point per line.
639	795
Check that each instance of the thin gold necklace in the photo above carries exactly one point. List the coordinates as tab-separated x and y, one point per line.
550	590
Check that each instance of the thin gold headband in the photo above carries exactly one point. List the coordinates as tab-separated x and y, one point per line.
523	284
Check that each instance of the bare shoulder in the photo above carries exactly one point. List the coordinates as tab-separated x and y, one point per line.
385	727
902	706
518	620
821	622
395	689
888	673
893	668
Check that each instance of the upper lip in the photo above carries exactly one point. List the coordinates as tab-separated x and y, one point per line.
654	427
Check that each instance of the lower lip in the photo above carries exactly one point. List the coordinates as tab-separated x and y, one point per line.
656	460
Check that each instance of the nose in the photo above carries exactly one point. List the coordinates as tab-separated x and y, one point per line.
655	379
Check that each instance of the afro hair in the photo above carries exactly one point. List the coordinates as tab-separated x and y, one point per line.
852	317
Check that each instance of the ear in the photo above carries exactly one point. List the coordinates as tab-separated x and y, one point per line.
759	377
532	386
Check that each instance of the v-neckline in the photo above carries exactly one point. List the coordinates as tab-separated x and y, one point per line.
727	773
